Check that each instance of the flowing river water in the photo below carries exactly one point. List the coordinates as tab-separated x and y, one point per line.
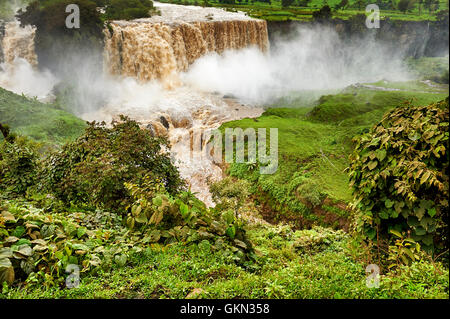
155	52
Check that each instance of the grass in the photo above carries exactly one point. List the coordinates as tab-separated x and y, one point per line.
314	145
42	122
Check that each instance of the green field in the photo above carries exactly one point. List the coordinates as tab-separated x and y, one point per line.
275	12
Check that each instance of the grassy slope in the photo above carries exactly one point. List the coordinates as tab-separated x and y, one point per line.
314	144
42	122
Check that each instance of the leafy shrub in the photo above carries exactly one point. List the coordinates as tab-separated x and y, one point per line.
166	218
399	177
128	9
317	239
323	14
19	162
92	170
229	194
37	247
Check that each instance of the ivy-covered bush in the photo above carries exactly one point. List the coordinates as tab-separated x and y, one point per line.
92	170
19	162
399	175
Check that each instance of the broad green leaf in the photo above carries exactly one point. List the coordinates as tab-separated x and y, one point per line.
372	165
157	200
420	231
156	217
231	232
381	154
5	252
396	233
81	231
120	260
142	218
184	210
432	212
388	203
18	231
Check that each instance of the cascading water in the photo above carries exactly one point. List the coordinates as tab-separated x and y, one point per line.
158	49
143	62
162	46
18	67
18	42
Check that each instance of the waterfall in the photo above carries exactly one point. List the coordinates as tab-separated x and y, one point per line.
160	47
18	42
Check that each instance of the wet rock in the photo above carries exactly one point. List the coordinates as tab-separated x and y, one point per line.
183	122
164	122
150	128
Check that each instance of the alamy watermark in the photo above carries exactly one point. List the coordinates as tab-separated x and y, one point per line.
73	19
73	279
373	19
373	277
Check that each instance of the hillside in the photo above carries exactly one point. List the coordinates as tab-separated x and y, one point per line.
42	122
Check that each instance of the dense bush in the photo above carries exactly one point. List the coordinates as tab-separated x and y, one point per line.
323	14
19	160
128	9
93	169
399	175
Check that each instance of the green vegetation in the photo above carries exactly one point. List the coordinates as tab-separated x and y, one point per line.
110	192
54	42
399	176
302	10
315	263
99	205
435	69
128	9
314	144
42	122
87	171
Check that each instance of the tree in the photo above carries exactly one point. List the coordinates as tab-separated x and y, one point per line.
128	9
405	5
93	169
420	3
360	4
286	3
324	14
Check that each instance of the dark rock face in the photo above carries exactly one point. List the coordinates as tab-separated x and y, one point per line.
412	38
164	122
